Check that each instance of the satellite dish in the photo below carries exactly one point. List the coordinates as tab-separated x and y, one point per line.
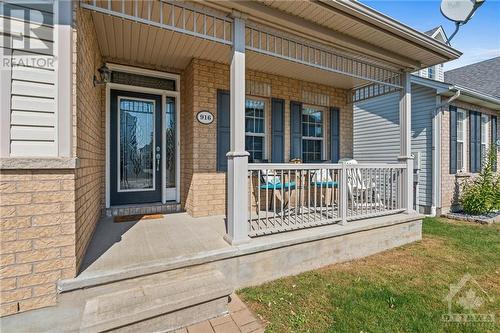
459	11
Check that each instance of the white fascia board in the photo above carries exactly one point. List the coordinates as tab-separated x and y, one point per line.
396	27
441	87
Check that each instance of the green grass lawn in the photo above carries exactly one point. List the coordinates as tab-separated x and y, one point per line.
400	290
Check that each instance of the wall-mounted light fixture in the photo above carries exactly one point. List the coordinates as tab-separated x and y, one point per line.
105	76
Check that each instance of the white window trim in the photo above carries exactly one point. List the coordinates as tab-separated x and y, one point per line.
323	138
464	140
266	123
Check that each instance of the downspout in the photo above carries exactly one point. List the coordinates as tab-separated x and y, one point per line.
436	150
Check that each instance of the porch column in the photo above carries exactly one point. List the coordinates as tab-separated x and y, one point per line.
405	135
237	157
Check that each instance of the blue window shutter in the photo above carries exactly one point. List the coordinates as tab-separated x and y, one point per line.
223	129
494	138
472	142
453	139
278	130
475	141
334	134
295	130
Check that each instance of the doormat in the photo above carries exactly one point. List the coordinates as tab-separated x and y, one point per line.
130	218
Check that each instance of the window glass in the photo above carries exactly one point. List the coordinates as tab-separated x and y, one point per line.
460	139
170	143
430	72
484	134
255	129
312	134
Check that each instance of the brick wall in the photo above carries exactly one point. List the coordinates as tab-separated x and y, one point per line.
48	216
451	183
203	188
89	131
37	236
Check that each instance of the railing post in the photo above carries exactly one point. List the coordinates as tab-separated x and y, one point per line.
343	194
237	171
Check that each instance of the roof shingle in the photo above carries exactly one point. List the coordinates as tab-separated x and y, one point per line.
482	76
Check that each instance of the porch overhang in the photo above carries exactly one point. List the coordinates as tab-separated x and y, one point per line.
169	34
351	26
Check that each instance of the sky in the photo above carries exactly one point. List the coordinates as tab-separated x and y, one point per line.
478	40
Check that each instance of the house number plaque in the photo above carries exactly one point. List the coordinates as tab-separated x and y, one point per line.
205	117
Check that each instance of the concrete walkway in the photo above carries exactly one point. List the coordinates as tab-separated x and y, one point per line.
239	320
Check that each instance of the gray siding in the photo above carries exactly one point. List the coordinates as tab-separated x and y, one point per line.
376	129
376	133
423	105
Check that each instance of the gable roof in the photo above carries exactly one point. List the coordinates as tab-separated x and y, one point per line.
482	76
436	31
432	31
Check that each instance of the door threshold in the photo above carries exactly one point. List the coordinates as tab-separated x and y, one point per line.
144	208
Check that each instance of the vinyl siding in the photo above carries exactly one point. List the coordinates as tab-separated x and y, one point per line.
423	105
33	118
376	129
376	133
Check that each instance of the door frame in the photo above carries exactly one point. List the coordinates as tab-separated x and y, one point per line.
164	94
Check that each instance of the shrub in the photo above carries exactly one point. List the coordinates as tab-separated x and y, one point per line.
481	195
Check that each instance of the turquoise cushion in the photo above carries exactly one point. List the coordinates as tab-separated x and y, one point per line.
278	186
328	184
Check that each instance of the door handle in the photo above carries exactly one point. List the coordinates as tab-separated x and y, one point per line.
158	156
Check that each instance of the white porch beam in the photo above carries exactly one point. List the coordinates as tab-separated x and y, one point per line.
237	181
405	137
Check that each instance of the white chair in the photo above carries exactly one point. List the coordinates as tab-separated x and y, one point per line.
359	188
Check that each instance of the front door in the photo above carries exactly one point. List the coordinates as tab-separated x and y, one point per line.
135	147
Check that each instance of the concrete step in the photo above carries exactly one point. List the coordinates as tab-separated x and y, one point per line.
160	302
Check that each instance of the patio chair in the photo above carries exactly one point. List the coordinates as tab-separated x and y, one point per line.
270	181
322	179
360	188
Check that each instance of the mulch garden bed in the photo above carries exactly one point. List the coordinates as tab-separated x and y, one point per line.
489	218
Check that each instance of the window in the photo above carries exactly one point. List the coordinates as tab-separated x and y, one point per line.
461	116
312	134
485	121
255	129
431	72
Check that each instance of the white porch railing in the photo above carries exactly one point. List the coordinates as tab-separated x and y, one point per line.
286	197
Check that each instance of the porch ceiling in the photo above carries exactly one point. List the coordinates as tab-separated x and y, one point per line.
126	41
273	65
135	43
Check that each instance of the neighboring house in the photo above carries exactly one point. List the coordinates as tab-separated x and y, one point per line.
435	72
134	107
448	147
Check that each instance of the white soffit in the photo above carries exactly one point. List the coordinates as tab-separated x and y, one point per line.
132	42
124	41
